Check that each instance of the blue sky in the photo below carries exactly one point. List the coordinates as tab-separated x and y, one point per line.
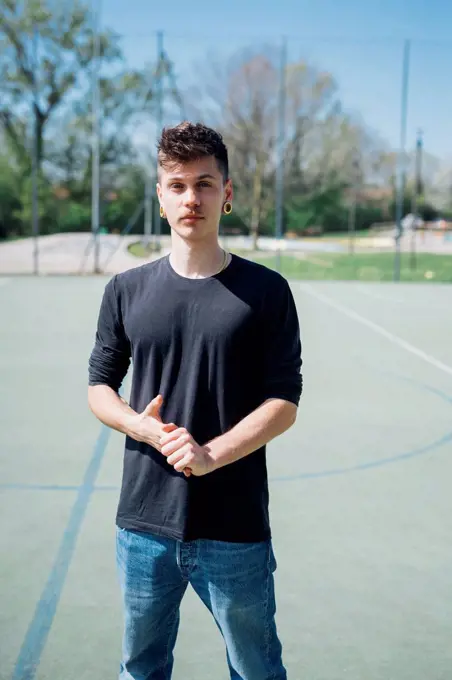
360	43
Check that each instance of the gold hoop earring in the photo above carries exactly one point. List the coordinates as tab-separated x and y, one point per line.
227	208
162	212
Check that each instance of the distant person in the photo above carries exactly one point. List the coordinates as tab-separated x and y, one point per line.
216	351
411	222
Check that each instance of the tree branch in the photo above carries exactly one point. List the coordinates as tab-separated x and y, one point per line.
6	120
20	52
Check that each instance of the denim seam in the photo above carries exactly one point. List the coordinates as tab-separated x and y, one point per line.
170	630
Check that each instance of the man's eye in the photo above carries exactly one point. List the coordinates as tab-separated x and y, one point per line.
176	185
205	184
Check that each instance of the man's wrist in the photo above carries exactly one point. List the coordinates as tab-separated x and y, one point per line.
220	452
129	425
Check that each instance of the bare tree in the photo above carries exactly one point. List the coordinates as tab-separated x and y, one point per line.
326	148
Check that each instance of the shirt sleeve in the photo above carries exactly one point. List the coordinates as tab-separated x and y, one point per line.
110	356
282	345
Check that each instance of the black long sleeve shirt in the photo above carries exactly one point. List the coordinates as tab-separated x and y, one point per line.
215	349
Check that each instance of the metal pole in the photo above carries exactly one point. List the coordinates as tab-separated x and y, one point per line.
352	223
280	150
35	159
352	211
159	126
147	209
401	164
148	216
417	190
95	143
176	94
419	153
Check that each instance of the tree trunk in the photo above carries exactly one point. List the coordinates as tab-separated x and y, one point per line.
40	121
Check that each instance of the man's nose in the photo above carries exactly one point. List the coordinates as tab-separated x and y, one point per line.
191	197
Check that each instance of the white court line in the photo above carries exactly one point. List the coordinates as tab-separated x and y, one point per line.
434	304
377	328
378	296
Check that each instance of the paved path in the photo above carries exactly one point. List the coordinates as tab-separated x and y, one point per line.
67	254
74	253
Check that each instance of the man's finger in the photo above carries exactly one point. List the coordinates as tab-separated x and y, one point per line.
172	446
169	427
154	406
184	462
179	454
172	436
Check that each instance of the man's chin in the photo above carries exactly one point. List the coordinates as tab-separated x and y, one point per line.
192	232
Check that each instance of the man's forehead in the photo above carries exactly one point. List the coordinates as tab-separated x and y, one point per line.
204	167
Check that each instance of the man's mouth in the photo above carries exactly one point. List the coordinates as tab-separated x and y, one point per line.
191	218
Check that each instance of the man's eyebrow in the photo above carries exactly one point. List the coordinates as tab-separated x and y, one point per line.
205	175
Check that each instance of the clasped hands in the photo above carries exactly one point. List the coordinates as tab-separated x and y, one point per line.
175	443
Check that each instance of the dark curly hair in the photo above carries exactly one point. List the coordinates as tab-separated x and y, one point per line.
189	141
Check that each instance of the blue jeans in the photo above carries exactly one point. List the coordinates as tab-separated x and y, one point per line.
235	582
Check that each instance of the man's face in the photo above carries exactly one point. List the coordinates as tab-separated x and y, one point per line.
192	195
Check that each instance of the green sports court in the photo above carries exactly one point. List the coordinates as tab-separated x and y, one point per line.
361	500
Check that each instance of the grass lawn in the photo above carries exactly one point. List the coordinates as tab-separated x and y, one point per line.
140	250
361	267
345	267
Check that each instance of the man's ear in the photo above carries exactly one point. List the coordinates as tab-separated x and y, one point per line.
228	191
159	191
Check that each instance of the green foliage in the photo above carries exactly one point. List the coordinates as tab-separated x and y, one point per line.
62	39
322	210
10	225
73	216
46	207
233	224
427	211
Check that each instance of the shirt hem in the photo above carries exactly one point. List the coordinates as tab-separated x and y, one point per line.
145	527
293	398
134	525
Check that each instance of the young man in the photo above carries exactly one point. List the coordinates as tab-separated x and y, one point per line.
216	351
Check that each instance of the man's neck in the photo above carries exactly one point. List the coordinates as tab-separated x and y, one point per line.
196	260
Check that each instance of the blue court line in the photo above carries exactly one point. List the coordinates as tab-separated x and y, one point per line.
366	466
360	467
38	487
36	637
15	486
427	448
304	475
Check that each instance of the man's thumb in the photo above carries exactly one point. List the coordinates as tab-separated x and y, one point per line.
153	408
